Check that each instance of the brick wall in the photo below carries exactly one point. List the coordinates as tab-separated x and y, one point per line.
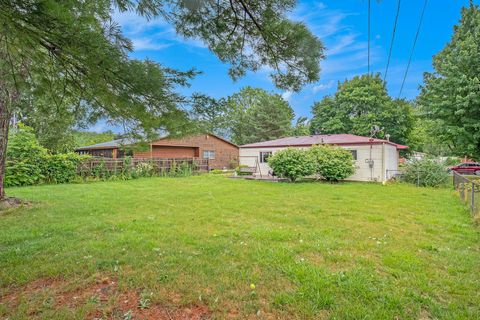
194	146
168	152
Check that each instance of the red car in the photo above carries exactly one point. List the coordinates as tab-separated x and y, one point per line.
467	168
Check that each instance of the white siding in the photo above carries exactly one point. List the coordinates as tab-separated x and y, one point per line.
391	160
251	156
384	157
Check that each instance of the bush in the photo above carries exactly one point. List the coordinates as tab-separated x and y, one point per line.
61	168
451	161
332	163
25	157
22	173
426	173
292	164
144	169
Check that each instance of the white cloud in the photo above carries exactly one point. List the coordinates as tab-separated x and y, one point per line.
140	44
323	86
287	95
153	34
345	51
342	44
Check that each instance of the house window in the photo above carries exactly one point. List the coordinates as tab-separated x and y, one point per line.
354	154
209	154
264	155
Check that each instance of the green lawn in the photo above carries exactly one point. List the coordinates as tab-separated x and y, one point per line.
311	250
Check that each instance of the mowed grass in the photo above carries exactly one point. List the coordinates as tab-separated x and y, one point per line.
311	250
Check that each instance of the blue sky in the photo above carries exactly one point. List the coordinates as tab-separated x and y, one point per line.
341	25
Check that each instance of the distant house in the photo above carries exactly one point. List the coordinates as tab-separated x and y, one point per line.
220	152
375	159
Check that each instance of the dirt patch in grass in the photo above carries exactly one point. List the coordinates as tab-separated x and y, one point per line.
102	297
9	203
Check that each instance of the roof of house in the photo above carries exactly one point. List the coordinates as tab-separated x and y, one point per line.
156	142
114	144
337	139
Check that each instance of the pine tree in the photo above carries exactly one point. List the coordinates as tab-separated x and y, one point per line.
257	115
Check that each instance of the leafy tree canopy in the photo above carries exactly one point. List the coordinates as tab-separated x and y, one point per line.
359	104
301	127
451	94
210	115
256	115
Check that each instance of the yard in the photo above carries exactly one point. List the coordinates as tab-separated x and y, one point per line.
208	246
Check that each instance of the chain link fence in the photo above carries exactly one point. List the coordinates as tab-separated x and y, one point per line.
468	188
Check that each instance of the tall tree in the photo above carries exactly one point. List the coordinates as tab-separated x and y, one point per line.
73	50
359	104
210	115
301	127
257	115
451	94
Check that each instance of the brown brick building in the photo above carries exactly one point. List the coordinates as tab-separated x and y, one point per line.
220	152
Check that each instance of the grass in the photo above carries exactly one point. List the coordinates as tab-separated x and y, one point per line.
247	249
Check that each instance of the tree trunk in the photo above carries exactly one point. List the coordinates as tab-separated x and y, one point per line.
5	117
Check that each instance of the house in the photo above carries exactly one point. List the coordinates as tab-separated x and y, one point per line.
220	152
375	159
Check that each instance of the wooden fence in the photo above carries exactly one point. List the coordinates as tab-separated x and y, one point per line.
468	188
160	165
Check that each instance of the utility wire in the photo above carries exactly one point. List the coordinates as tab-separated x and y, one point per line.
392	40
413	48
368	54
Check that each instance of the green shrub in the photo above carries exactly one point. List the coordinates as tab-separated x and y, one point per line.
292	164
21	173
61	168
184	170
332	163
426	173
144	169
25	157
451	161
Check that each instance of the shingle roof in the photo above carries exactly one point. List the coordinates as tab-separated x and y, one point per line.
109	144
338	139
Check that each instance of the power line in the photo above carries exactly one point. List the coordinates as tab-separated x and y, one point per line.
392	40
368	54
413	48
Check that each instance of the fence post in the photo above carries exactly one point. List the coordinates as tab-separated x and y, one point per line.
418	178
473	198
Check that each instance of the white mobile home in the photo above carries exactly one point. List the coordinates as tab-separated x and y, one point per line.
375	159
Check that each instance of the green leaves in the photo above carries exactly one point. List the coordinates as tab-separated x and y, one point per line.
332	163
451	94
257	115
29	163
426	173
359	104
292	163
251	35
